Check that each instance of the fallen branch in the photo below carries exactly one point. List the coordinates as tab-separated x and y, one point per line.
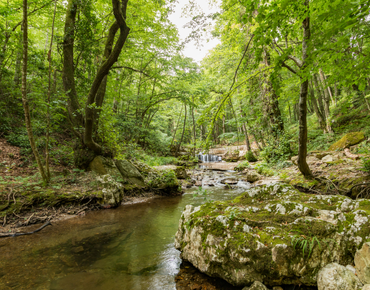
351	155
29	233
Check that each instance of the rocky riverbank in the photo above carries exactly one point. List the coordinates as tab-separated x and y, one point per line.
276	235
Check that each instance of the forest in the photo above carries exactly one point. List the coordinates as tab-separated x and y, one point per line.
97	97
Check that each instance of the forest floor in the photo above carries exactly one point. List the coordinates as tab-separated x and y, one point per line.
24	201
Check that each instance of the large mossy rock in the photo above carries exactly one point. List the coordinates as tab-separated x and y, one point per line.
119	169
348	140
273	234
164	182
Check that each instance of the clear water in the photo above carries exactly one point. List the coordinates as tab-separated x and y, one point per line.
131	247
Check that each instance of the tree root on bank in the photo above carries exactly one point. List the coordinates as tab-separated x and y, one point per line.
29	233
364	193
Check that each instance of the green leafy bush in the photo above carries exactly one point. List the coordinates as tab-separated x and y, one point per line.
249	156
240	167
366	164
265	169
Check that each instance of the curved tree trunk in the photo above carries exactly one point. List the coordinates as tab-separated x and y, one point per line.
86	127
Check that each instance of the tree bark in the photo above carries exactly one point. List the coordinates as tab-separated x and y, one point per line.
316	109
74	115
120	15
47	156
183	132
272	103
24	95
324	105
302	151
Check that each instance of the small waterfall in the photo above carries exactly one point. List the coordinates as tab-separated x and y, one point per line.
204	158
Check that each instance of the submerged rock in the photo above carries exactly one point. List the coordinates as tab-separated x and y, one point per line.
347	140
334	276
273	234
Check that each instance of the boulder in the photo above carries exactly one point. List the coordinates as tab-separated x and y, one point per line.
112	190
294	159
129	172
181	173
312	160
273	234
256	286
362	262
117	169
164	182
334	277
230	181
252	176
232	156
329	159
348	140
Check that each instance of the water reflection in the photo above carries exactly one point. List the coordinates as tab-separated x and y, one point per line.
127	248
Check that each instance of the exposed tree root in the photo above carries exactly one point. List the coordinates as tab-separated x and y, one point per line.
29	233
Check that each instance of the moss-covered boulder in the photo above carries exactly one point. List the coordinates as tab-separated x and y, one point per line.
181	172
273	234
120	170
348	140
164	182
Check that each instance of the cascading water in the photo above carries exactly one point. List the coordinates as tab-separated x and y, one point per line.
204	158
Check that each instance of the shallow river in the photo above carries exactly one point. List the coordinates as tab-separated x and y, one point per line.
131	247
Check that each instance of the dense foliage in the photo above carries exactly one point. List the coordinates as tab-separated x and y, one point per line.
248	88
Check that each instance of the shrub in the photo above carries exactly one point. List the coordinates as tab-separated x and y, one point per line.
240	167
249	156
366	164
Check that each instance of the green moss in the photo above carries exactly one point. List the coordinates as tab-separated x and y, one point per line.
347	140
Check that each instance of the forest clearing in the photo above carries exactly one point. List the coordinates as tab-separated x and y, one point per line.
131	160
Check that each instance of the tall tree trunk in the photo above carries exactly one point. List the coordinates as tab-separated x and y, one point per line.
324	105
302	151
177	126
326	86
47	157
183	132
18	63
120	16
24	95
272	103
316	109
194	129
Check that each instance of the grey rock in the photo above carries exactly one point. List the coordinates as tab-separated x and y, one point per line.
112	190
257	228
362	262
256	286
253	176
117	169
229	181
366	287
129	172
329	158
337	277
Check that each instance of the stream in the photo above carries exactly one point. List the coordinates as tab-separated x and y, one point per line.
131	247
